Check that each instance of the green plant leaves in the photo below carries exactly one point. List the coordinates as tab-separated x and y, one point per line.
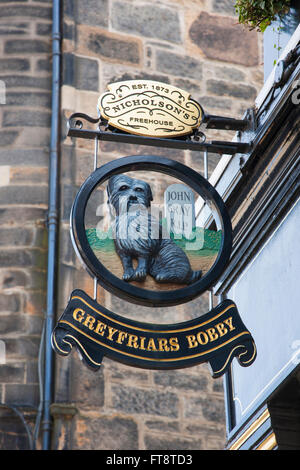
259	14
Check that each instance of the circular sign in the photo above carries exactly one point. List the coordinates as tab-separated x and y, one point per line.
160	256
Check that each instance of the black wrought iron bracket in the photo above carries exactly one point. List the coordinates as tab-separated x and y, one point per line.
195	142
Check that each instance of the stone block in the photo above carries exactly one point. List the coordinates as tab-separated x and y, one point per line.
32	99
22	215
217	386
144	401
229	73
22	348
106	433
27	118
112	74
164	315
210	102
14	64
157	442
22	258
87	74
182	381
193	88
234	90
69	9
23	175
35	303
66	250
16	236
68	31
22	157
200	305
112	46
26	81
87	387
122	372
224	6
17	441
9	258
12	372
80	72
151	21
32	375
44	29
12	324
162	425
222	38
43	65
19	194
178	65
8	138
16	29
29	138
68	195
92	12
207	407
22	394
13	278
26	46
26	11
10	303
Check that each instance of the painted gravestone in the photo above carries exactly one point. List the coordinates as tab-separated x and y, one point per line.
180	210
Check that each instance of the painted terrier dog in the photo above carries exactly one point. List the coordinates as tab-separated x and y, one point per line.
138	235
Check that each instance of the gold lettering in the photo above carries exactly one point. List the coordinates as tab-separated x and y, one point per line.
121	336
78	314
205	337
100	327
142	342
228	322
89	322
151	345
174	344
221	329
192	341
111	332
212	334
132	341
163	344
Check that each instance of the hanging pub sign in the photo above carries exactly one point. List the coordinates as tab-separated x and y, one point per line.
150	108
134	227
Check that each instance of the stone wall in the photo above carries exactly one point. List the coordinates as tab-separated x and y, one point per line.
194	44
25	60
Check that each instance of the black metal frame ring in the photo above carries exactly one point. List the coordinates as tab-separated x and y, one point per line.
116	285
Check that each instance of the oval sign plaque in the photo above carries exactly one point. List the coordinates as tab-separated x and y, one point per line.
163	260
150	108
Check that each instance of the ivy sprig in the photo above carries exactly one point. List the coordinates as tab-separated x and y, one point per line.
259	14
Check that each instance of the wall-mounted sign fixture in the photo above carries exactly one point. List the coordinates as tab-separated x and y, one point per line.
150	108
134	227
216	337
168	258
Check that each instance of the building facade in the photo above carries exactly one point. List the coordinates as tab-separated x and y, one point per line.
195	45
262	192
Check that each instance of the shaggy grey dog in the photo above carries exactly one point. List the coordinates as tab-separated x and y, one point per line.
138	235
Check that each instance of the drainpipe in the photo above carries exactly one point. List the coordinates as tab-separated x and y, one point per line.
53	212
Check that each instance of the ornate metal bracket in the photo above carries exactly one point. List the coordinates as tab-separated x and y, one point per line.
195	142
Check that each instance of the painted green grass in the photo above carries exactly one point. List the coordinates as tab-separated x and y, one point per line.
103	241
